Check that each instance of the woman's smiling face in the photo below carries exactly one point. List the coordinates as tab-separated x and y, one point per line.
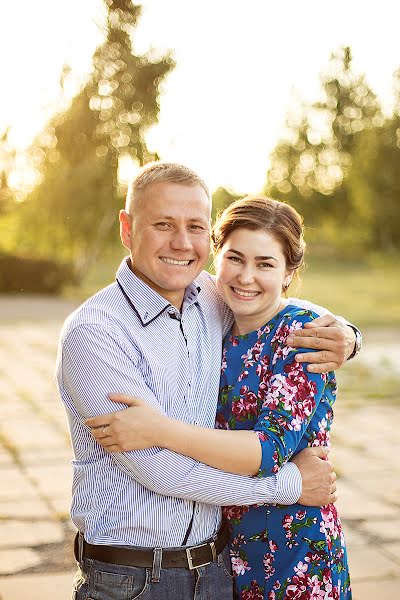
251	272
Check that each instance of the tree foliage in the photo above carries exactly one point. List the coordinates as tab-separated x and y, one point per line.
374	180
72	211
222	198
339	164
7	156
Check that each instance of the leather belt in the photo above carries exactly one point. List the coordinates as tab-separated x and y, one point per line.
183	558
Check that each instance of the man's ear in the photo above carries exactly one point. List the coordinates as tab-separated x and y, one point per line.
125	228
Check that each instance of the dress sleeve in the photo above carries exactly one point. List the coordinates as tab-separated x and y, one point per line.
290	396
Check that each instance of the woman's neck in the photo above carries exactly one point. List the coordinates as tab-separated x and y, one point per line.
244	324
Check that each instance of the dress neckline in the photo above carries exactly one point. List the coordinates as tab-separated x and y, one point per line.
256	332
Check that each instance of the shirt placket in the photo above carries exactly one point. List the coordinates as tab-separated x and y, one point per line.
190	406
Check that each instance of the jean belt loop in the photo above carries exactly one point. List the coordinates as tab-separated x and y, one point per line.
156	570
80	548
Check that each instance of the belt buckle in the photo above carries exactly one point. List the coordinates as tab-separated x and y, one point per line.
190	559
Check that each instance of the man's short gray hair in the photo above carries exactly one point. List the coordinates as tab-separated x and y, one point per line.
160	172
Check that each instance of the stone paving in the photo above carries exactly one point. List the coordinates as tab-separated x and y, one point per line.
35	532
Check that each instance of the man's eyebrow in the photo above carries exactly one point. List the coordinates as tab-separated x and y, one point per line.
170	218
256	257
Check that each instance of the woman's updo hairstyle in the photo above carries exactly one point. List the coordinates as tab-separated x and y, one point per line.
261	213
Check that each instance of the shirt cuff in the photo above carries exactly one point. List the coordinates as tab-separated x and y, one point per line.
288	484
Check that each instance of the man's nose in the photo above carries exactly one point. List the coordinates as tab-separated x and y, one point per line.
181	240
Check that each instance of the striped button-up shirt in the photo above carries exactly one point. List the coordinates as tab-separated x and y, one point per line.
129	339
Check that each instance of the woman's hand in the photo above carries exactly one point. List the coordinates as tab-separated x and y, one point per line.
132	428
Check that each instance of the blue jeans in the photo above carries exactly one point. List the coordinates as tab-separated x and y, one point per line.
103	581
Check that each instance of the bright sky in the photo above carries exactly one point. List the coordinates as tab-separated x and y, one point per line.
238	64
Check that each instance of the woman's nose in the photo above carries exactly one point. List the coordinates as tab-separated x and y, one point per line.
246	276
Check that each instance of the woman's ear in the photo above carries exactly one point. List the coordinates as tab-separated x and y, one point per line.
287	281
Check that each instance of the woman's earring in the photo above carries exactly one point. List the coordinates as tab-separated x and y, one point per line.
285	286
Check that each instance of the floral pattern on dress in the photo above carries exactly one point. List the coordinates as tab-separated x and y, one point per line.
281	552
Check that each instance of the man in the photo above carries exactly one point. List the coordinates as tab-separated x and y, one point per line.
149	520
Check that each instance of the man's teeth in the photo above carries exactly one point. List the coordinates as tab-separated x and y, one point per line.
173	261
245	294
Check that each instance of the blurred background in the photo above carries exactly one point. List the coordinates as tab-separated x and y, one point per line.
297	100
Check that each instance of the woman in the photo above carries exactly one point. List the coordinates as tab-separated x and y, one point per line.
274	405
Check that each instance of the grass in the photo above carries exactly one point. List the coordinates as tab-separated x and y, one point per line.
368	295
101	274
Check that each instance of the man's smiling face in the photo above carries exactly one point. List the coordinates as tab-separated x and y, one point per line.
168	237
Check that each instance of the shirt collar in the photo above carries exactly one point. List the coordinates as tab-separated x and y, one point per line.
146	302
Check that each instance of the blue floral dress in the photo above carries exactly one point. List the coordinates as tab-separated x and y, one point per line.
281	552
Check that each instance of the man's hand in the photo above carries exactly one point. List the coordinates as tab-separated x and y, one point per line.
133	428
317	475
332	338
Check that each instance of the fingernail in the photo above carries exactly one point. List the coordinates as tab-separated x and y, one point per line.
290	340
298	357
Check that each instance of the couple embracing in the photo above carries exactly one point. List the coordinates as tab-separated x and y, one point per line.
222	401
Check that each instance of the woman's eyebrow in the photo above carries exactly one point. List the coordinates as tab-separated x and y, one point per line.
256	257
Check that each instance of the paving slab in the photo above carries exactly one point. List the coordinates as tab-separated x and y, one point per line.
371	563
53	481
388	531
391	493
35	501
6	459
19	559
61	506
41	587
23	534
33	457
32	431
26	509
31	307
388	488
383	589
353	504
16	485
354	539
393	550
349	461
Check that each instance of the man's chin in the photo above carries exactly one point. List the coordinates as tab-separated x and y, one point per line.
178	284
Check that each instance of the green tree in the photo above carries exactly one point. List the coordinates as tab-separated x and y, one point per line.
222	198
374	180
71	213
7	157
310	168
